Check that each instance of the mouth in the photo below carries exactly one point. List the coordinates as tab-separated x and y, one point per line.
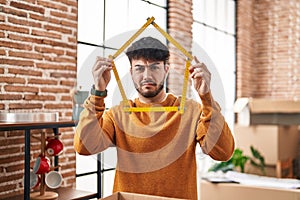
148	84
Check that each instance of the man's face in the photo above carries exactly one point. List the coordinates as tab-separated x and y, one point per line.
148	76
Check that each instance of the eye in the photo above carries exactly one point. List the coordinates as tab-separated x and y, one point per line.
154	67
139	68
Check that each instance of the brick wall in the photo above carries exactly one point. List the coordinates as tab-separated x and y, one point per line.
268	49
180	20
38	53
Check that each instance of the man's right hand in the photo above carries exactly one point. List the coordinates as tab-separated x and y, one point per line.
101	72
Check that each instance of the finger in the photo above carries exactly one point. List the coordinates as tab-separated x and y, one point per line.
196	72
196	59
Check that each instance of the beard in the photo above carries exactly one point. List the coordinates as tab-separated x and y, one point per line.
150	94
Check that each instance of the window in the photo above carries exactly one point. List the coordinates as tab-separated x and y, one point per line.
103	27
214	32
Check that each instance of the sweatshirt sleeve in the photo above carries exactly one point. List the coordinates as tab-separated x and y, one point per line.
94	131
213	133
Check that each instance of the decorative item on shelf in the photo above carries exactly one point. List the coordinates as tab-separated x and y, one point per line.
44	171
35	180
42	165
54	146
78	98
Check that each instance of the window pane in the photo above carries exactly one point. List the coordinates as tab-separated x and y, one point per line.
86	60
199	11
159	2
90	21
116	21
210	7
108	180
87	183
109	158
144	10
221	12
231	16
86	164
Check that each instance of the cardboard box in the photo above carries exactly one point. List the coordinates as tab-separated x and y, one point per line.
252	111
134	196
234	191
273	142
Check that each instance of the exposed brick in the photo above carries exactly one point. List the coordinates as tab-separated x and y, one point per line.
39	97
10	96
74	10
69	24
58	44
31	48
72	39
2	35
38	17
54	5
58	29
64	15
51	50
2	51
64	60
14	168
13	106
67	83
69	3
55	67
29	72
2	18
9	150
17	29
8	187
46	34
58	106
26	38
11	80
15	45
13	88
42	81
66	98
13	11
63	75
55	90
27	7
16	62
24	22
25	55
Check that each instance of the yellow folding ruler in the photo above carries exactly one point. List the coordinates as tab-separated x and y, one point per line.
127	107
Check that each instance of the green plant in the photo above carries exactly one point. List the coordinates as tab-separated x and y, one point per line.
238	160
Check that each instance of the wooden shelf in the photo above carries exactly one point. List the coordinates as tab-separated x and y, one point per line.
63	194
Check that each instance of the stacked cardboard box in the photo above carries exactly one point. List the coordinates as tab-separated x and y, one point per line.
134	196
233	191
271	127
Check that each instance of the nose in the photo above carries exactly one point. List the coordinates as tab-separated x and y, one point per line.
147	73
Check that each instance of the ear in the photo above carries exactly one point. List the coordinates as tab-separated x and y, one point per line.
167	67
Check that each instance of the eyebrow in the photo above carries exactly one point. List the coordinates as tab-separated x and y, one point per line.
140	65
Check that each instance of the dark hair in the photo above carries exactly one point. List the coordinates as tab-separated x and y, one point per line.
148	48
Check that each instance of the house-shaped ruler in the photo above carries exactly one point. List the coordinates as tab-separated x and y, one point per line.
127	107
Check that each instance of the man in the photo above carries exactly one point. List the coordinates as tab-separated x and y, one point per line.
156	150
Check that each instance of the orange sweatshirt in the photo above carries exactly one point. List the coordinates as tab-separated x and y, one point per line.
155	150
